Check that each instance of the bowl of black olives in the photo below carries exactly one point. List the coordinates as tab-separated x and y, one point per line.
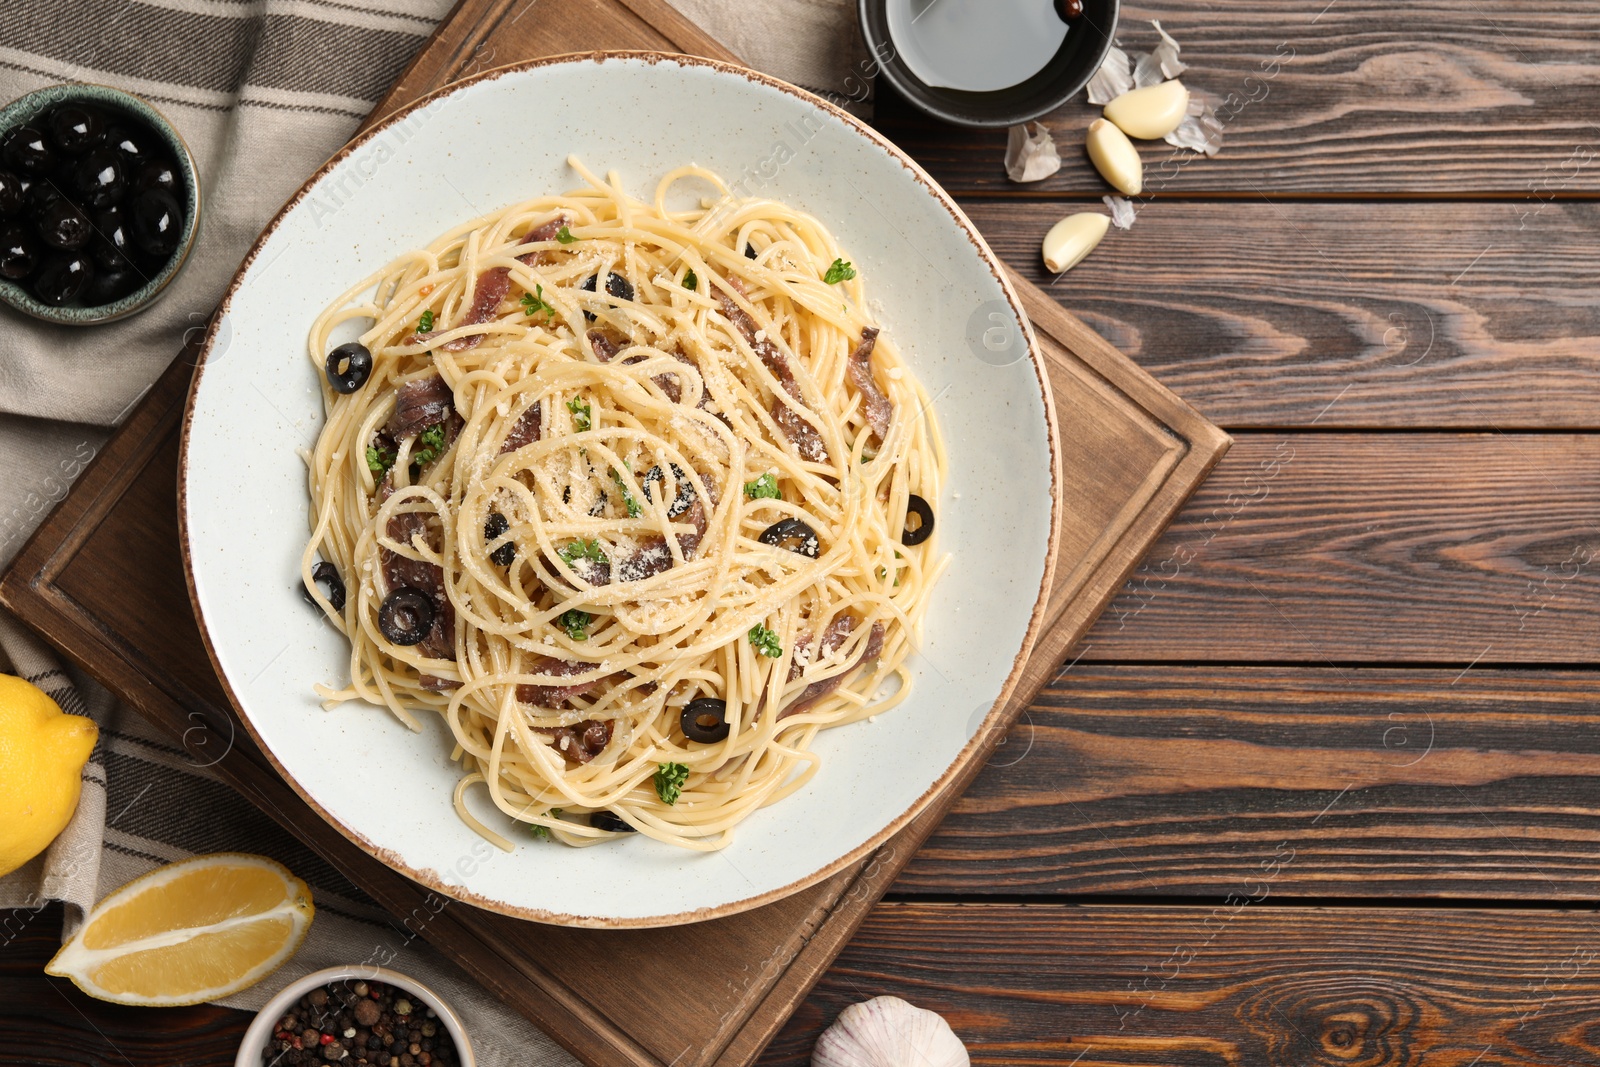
99	203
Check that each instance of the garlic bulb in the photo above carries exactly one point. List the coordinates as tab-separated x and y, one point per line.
888	1032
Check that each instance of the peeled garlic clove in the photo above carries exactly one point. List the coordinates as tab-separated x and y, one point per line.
888	1032
1152	112
1073	238
1114	156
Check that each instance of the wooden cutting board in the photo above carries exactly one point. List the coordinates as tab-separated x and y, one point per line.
709	994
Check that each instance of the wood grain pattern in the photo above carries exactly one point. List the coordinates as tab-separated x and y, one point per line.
1359	548
1354	98
1229	985
1413	315
1166	780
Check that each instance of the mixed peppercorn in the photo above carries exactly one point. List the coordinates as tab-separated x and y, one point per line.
356	1022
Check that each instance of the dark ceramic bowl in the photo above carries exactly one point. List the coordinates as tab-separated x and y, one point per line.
1074	63
25	109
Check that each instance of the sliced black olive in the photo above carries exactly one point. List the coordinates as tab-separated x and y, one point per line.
349	366
157	222
749	250
63	276
493	529
406	616
110	283
26	151
915	535
604	820
685	496
326	574
11	190
705	720
19	252
98	178
616	285
75	129
157	174
63	226
794	535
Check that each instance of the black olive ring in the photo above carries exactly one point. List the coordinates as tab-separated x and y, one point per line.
348	367
794	535
493	529
327	574
705	708
682	501
406	616
616	285
920	508
605	820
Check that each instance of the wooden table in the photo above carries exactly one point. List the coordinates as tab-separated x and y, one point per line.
1322	785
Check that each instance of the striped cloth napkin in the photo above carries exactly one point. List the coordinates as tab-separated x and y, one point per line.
262	92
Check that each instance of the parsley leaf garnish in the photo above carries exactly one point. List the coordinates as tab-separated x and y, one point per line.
581	549
543	832
564	235
581	413
576	623
839	271
634	509
379	460
532	303
766	641
690	279
425	324
763	488
432	442
669	781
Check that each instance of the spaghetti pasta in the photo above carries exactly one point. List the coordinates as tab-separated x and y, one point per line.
622	492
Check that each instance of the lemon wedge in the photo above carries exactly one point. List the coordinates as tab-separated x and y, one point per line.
189	932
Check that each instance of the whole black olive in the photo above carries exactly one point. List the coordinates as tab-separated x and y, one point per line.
63	226
604	820
348	367
157	222
98	178
616	285
19	252
325	573
40	195
793	534
157	174
75	129
110	283
11	190
705	720
63	276
113	244
132	146
26	151
684	498
493	529
918	508
406	616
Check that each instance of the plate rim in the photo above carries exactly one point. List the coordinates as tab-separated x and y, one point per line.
963	759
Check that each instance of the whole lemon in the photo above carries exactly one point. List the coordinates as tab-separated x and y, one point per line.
42	753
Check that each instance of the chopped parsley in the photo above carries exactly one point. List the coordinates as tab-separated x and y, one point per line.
690	279
633	507
432	445
669	781
581	549
425	324
576	623
763	488
581	413
543	832
533	304
379	460
564	235
766	641
839	271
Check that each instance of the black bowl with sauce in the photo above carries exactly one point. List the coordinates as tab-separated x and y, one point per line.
1080	54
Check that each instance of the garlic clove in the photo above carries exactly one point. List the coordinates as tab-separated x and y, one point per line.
1152	112
888	1032
1114	156
1073	238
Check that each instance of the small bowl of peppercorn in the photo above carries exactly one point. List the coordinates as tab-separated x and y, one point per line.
357	1017
99	204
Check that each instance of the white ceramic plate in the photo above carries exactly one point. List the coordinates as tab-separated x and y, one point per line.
502	137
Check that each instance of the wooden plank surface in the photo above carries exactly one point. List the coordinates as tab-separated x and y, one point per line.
1453	316
1355	98
1155	781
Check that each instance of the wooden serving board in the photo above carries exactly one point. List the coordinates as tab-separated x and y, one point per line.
103	580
